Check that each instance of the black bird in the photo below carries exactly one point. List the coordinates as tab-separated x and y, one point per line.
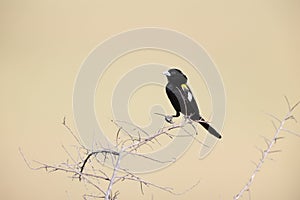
183	101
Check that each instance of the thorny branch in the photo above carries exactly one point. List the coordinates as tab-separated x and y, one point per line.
270	143
87	166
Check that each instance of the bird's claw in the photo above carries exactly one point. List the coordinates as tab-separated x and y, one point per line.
169	118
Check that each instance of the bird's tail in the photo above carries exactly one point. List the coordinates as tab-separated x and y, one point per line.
210	129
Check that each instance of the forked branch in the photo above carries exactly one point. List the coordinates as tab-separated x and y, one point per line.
87	165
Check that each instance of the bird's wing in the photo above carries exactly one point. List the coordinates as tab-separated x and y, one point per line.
189	102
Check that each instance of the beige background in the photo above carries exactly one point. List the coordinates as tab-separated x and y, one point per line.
255	44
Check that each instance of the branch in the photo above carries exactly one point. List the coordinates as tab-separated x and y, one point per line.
112	179
270	144
72	133
132	177
126	143
94	153
68	169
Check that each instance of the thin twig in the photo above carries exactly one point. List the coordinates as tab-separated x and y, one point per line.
70	131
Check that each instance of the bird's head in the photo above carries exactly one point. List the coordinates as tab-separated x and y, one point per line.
175	76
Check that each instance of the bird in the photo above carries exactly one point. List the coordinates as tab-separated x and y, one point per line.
183	101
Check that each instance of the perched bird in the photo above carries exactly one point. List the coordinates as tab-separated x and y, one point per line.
183	100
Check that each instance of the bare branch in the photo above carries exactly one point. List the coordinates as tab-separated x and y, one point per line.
296	104
270	144
287	102
85	165
108	192
72	133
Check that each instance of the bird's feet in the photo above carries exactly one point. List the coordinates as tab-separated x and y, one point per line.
169	119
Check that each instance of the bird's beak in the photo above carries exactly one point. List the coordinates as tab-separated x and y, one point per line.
166	73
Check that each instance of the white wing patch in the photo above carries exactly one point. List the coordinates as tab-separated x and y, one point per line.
186	89
190	96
